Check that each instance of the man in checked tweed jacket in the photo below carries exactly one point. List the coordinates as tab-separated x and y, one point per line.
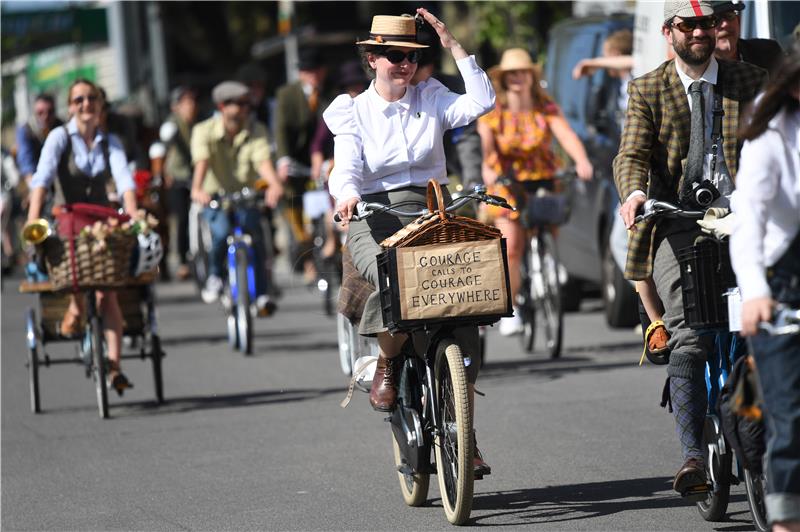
650	163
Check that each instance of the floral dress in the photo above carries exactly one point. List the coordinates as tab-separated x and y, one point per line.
523	149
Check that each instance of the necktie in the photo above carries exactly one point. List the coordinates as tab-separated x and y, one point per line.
313	100
697	138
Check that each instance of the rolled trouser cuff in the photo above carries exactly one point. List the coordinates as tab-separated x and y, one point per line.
782	507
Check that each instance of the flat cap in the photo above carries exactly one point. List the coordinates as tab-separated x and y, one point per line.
687	9
228	90
725	6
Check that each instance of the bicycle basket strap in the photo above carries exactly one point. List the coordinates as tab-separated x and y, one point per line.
435	189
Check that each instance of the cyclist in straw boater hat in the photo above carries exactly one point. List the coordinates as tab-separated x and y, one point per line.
388	143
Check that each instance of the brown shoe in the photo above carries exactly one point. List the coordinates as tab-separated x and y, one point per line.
479	466
383	393
691	477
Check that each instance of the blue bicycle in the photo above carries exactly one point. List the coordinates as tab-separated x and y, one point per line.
707	282
240	294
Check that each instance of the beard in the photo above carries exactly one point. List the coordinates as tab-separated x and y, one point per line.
698	55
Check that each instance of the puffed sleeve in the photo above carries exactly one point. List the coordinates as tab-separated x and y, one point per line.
53	147
456	110
348	168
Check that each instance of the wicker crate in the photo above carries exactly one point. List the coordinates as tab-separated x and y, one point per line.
706	275
103	269
443	268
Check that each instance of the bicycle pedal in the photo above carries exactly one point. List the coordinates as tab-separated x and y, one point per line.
697	493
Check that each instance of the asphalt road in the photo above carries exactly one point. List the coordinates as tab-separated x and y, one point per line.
261	443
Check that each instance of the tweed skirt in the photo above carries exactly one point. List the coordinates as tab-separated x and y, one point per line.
364	238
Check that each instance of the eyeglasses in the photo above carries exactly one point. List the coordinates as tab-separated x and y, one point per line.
688	26
44	112
727	16
78	100
240	103
396	57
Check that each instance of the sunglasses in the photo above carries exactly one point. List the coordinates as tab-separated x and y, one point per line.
78	100
396	57
240	103
688	26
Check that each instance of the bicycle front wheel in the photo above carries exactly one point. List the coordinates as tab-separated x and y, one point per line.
756	488
550	301
99	365
244	318
454	441
720	469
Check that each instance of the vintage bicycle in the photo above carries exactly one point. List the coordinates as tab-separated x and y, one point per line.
540	298
82	273
433	411
708	284
239	294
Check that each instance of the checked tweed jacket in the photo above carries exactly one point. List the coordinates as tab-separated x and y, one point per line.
655	142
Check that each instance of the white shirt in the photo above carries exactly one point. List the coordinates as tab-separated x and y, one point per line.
721	177
381	145
90	162
766	203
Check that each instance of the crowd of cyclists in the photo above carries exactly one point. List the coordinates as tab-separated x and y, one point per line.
381	140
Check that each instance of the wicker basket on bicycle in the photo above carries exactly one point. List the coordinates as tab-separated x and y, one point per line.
443	268
87	264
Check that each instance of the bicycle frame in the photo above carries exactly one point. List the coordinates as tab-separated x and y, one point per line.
238	240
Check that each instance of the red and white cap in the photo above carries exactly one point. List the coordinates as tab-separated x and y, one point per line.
687	9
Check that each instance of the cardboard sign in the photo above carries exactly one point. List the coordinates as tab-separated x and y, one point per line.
452	280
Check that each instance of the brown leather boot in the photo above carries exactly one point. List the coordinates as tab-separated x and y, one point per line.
383	393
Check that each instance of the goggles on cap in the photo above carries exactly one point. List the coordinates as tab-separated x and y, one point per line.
688	26
396	57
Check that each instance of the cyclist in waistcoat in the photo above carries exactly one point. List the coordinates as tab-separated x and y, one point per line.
83	163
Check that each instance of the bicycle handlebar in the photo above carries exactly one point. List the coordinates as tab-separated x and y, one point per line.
365	209
245	196
656	209
786	321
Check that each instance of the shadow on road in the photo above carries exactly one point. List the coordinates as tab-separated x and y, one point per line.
223	338
576	501
586	501
555	369
179	405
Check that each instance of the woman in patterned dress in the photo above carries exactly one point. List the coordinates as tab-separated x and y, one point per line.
516	138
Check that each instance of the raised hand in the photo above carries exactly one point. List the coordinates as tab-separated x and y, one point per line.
445	37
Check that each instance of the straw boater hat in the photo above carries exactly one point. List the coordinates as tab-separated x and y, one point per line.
513	59
389	30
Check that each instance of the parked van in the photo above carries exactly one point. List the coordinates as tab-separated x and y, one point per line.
590	106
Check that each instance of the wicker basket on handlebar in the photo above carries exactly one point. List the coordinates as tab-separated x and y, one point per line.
89	267
443	268
440	227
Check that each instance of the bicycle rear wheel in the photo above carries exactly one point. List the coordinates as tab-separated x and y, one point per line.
454	443
719	465
550	302
756	488
244	318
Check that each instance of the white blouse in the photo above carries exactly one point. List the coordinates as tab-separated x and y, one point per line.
382	145
766	203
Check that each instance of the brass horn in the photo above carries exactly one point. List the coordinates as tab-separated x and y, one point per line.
37	231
